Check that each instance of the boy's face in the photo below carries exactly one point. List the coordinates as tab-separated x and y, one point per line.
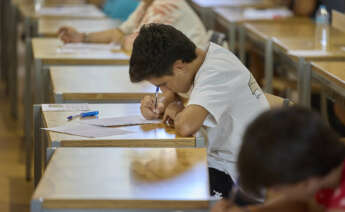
302	190
179	82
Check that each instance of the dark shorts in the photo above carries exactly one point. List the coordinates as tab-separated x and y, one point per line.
221	185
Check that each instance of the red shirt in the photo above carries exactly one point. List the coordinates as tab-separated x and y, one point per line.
333	198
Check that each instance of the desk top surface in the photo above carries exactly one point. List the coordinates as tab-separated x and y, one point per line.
48	50
97	82
87	11
232	3
149	135
332	71
298	38
237	15
50	27
125	178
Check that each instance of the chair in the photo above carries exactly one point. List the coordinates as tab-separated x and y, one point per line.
217	37
277	101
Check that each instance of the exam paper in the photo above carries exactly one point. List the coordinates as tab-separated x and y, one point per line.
251	13
65	107
88	47
309	53
75	11
89	131
120	121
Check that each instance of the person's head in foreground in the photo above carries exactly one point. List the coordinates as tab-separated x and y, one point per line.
293	152
163	56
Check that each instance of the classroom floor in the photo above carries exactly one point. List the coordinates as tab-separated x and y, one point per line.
15	191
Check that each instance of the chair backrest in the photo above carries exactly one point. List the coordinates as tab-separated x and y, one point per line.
276	101
338	20
218	38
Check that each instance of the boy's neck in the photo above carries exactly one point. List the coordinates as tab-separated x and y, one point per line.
195	65
333	179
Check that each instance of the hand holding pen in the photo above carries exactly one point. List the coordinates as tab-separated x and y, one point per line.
152	106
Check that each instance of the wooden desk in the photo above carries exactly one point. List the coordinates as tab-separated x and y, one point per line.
232	19
48	27
153	135
85	11
262	33
96	83
204	7
45	53
296	40
118	179
46	50
331	75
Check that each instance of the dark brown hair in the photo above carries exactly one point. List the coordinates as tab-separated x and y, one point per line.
285	146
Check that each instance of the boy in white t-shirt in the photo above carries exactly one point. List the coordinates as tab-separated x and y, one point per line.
223	95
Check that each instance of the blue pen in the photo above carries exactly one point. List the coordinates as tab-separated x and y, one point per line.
156	97
82	115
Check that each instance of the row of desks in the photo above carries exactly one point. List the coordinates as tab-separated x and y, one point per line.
77	84
112	179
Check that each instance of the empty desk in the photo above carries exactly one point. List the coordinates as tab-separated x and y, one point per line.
96	84
122	179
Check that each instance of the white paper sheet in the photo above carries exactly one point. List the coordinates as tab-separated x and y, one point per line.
251	13
89	131
88	47
310	53
65	107
120	121
76	11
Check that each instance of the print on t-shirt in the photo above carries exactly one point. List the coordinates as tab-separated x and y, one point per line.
254	87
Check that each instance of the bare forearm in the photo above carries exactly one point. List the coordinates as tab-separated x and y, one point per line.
108	36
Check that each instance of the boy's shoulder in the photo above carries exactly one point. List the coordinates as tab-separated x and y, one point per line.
220	61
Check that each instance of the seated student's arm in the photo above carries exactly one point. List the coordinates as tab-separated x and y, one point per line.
148	109
305	7
166	13
98	3
187	120
71	35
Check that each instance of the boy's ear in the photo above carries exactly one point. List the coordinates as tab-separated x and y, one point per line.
178	65
312	184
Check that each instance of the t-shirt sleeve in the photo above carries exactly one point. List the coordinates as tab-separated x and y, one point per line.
216	90
226	85
132	22
163	13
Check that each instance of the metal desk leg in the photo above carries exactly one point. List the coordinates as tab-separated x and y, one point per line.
13	73
304	82
208	17
36	205
324	111
307	85
232	37
37	144
50	151
59	98
268	66
28	107
39	94
242	44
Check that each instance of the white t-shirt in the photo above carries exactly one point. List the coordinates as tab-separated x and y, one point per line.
228	91
173	12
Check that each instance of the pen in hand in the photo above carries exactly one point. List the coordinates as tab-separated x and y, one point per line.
156	98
